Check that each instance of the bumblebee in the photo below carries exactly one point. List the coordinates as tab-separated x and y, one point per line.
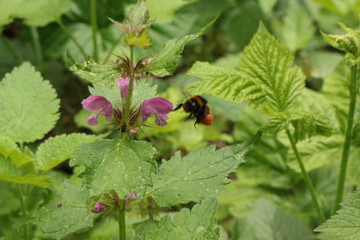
198	108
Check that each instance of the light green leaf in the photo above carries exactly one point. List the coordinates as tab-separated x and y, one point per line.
144	89
345	224
112	94
121	165
9	200
269	65
205	170
57	149
28	105
51	10
65	213
165	61
199	224
353	173
8	172
269	222
224	83
94	72
266	80
298	28
81	117
9	149
163	11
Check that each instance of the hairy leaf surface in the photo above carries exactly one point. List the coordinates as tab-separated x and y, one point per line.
57	149
197	176
65	213
345	224
28	105
9	149
199	224
121	165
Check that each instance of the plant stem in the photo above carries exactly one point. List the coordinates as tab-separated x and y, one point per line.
67	31
130	88
122	227
11	50
305	176
94	28
23	205
37	45
346	148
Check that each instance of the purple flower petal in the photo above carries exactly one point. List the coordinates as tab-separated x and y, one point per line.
123	83
131	196
99	104
158	107
98	207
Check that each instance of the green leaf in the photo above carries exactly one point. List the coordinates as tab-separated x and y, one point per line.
205	170
266	80
95	73
8	172
353	173
165	61
224	83
120	165
199	224
51	10
57	149
9	149
65	213
28	105
267	5
9	199
144	89
270	67
345	224
269	222
298	27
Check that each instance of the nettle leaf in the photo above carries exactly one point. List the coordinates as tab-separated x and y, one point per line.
345	224
9	149
51	10
165	61
112	94
197	176
298	28
267	80
8	172
28	105
57	149
121	165
269	222
224	83
65	213
95	73
143	40
199	224
163	11
144	89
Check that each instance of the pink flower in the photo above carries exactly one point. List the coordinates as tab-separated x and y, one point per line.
158	107
98	207
99	104
123	83
131	196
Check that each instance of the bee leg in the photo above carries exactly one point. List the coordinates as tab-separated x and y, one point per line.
190	116
180	105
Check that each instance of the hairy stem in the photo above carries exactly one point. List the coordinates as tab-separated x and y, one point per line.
130	89
93	19
346	148
68	32
122	227
37	45
11	50
306	176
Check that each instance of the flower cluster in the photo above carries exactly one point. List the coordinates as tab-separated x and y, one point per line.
158	107
101	207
